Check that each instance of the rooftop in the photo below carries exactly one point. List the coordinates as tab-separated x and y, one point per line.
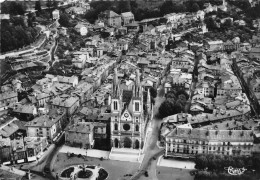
213	135
47	121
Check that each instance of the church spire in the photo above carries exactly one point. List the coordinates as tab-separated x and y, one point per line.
138	87
115	83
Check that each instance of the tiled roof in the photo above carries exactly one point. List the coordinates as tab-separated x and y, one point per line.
111	14
213	135
80	128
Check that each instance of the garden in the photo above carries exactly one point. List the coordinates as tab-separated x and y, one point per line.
84	172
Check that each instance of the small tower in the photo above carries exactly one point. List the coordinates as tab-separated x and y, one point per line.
137	94
115	93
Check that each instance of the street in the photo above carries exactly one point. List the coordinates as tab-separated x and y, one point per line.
151	149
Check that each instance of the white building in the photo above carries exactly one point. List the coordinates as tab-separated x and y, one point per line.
56	14
82	29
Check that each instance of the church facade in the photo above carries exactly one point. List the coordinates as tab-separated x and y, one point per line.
130	112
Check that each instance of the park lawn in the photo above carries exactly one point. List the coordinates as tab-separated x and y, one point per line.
115	169
166	173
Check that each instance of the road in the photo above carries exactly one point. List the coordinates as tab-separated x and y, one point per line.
151	149
38	166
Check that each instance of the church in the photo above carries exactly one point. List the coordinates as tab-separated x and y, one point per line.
130	112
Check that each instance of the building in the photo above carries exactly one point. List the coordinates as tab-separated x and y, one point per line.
11	140
76	10
35	147
80	134
56	14
47	125
66	102
25	112
122	45
7	99
111	18
187	142
128	116
127	18
82	29
73	80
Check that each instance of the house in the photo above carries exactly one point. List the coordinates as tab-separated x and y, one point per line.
240	22
35	147
66	102
82	29
4	16
111	18
49	125
63	31
122	45
25	112
186	143
76	10
255	52
7	99
56	14
73	80
127	18
83	91
11	140
84	4
80	61
200	15
80	135
132	27
214	45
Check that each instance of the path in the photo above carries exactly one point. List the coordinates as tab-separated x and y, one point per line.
151	149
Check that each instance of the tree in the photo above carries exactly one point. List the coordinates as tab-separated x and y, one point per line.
201	162
18	21
182	92
5	8
124	6
55	4
153	92
91	16
227	23
64	20
195	7
166	8
38	6
210	23
16	9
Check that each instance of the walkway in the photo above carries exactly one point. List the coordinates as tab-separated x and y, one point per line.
86	152
125	154
13	170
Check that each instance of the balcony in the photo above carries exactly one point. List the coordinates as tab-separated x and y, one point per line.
126	133
136	133
115	132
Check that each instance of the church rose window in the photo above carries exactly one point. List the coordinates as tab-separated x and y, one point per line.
126	127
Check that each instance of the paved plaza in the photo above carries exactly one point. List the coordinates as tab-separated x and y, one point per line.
86	152
176	163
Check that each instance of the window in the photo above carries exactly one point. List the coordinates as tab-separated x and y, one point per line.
136	128
115	105
116	118
137	106
116	127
